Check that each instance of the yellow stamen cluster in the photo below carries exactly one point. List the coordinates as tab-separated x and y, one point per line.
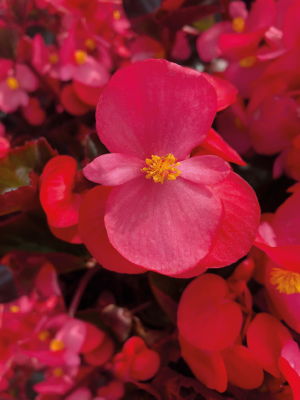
248	62
53	58
116	14
14	309
80	57
160	168
56	345
287	281
43	335
12	83
238	24
58	372
90	44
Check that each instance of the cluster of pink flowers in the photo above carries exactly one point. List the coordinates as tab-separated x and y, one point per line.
148	197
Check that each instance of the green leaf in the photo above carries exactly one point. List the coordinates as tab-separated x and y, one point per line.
16	166
29	231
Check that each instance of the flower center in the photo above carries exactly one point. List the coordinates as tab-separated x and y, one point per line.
116	14
53	58
160	168
14	309
12	83
58	372
287	281
238	24
56	345
248	62
90	44
43	335
80	57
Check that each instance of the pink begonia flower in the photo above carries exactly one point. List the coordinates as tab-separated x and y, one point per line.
72	337
45	58
239	38
168	212
289	364
79	66
13	90
281	243
135	361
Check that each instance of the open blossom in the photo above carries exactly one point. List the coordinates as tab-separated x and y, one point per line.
15	85
279	238
167	212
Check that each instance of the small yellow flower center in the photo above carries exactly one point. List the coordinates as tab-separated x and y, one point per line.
80	57
287	281
14	309
248	62
116	14
160	168
53	58
58	372
43	335
90	44
56	345
12	83
238	24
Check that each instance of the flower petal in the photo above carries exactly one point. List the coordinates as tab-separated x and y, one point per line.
240	224
226	92
26	78
206	170
207	366
114	169
242	368
94	236
204	311
169	112
207	42
167	228
216	145
266	336
91	73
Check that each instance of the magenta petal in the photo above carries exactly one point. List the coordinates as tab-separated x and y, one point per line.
26	78
165	227
11	100
206	170
91	73
94	236
155	107
72	334
238	9
114	169
240	224
207	42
